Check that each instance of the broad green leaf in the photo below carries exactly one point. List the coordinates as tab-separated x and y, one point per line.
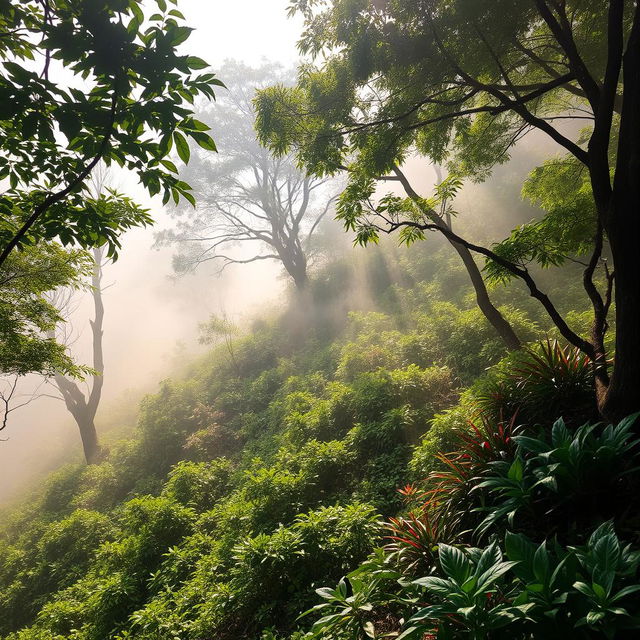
182	146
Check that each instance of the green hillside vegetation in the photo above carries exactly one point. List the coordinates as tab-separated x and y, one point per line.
273	469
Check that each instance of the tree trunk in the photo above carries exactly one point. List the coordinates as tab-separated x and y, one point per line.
300	279
89	436
490	312
83	408
622	223
622	397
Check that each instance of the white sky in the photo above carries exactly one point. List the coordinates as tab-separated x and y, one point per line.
147	313
242	29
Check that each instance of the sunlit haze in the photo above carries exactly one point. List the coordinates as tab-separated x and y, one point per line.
151	318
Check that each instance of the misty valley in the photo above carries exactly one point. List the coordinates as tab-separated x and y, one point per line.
319	320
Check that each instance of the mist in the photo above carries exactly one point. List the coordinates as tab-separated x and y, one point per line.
152	316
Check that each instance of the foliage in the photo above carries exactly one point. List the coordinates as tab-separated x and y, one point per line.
26	315
461	83
529	581
563	481
546	377
257	479
133	106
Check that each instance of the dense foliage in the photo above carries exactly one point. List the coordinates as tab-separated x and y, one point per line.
460	83
265	473
423	442
81	83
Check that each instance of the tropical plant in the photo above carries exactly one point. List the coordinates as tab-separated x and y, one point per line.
472	597
561	482
545	379
353	608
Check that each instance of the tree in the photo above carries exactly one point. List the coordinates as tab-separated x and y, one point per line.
26	315
439	209
247	197
83	82
83	407
124	96
461	82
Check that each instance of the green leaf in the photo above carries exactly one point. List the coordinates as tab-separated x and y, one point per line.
625	592
169	165
434	584
583	588
516	470
179	35
182	146
593	617
454	563
193	62
541	563
204	141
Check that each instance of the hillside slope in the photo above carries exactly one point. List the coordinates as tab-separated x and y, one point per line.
259	477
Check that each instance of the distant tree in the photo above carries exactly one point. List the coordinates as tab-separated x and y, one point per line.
219	329
461	82
247	198
83	407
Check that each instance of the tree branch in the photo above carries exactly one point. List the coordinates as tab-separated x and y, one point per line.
54	198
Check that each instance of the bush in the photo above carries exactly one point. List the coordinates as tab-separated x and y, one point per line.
199	484
546	379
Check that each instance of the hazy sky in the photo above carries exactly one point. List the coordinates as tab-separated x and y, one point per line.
147	313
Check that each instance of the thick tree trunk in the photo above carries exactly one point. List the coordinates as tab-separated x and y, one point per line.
300	279
490	312
622	397
622	223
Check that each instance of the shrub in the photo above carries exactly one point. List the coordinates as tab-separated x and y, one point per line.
199	484
546	379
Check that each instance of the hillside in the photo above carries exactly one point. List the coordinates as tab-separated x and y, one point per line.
266	472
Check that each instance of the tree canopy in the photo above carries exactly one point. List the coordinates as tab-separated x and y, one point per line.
83	82
461	83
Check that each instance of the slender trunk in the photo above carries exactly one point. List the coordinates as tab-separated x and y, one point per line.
300	279
83	408
84	417
295	263
90	445
490	312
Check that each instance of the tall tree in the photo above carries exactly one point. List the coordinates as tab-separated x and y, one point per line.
247	198
461	82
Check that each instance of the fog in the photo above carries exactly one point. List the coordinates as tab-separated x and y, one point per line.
151	318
